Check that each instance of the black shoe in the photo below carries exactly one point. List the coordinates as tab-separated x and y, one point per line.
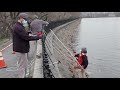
73	76
28	77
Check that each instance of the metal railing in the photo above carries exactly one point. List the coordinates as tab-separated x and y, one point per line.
46	70
67	58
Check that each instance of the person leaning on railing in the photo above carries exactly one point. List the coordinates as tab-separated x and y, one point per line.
37	25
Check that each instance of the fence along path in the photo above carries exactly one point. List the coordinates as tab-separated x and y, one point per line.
63	58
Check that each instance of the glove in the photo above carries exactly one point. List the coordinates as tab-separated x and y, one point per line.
47	24
39	33
29	32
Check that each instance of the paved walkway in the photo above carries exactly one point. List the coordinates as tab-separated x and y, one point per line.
10	60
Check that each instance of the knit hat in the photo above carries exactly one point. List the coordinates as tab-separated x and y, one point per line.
23	15
84	50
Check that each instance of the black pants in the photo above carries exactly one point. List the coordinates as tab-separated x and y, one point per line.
85	66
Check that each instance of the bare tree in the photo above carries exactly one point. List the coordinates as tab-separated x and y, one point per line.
7	19
13	16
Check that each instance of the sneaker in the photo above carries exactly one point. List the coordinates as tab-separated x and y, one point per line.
28	77
13	52
73	76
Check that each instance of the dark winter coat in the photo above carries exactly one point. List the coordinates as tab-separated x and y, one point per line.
84	61
21	38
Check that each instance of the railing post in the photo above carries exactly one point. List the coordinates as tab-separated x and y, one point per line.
46	69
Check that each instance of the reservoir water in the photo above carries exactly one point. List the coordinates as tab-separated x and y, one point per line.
101	37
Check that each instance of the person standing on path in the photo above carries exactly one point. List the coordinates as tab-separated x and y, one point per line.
21	44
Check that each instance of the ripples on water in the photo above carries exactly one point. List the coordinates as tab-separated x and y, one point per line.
101	36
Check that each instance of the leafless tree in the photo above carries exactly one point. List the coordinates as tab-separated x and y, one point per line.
7	19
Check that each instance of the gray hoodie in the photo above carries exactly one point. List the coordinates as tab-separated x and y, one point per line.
37	25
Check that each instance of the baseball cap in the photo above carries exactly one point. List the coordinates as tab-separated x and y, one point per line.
23	15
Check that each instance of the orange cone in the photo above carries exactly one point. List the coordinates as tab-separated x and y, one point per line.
2	63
